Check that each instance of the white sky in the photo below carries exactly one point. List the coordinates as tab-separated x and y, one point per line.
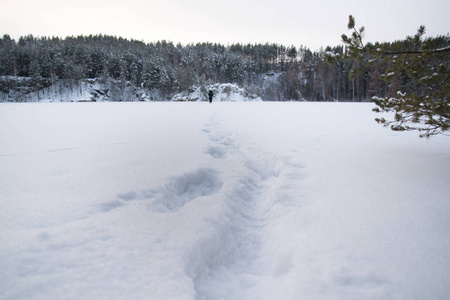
311	23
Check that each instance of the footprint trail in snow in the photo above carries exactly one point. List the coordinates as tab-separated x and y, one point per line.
254	183
247	190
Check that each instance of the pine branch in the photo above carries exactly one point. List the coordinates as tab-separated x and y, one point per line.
440	50
439	86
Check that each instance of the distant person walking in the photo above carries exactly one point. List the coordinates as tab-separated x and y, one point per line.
210	94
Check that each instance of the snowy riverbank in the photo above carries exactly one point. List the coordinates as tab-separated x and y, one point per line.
219	201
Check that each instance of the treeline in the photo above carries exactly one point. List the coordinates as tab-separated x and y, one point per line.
273	72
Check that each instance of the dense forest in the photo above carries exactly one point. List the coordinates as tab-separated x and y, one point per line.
271	71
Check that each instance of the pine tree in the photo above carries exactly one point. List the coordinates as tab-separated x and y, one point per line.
422	67
36	81
375	85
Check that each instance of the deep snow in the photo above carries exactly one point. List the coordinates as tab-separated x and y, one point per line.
219	201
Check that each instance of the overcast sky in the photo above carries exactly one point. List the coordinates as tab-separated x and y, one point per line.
311	23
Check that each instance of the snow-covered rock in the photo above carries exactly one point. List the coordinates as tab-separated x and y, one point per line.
102	89
222	92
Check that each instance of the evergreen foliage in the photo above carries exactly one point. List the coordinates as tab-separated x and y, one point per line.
416	72
125	68
162	69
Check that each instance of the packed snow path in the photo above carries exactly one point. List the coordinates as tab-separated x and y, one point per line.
223	201
251	194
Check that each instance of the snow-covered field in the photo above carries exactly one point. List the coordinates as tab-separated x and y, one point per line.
219	201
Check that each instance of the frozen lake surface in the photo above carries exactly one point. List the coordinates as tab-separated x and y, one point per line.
221	201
